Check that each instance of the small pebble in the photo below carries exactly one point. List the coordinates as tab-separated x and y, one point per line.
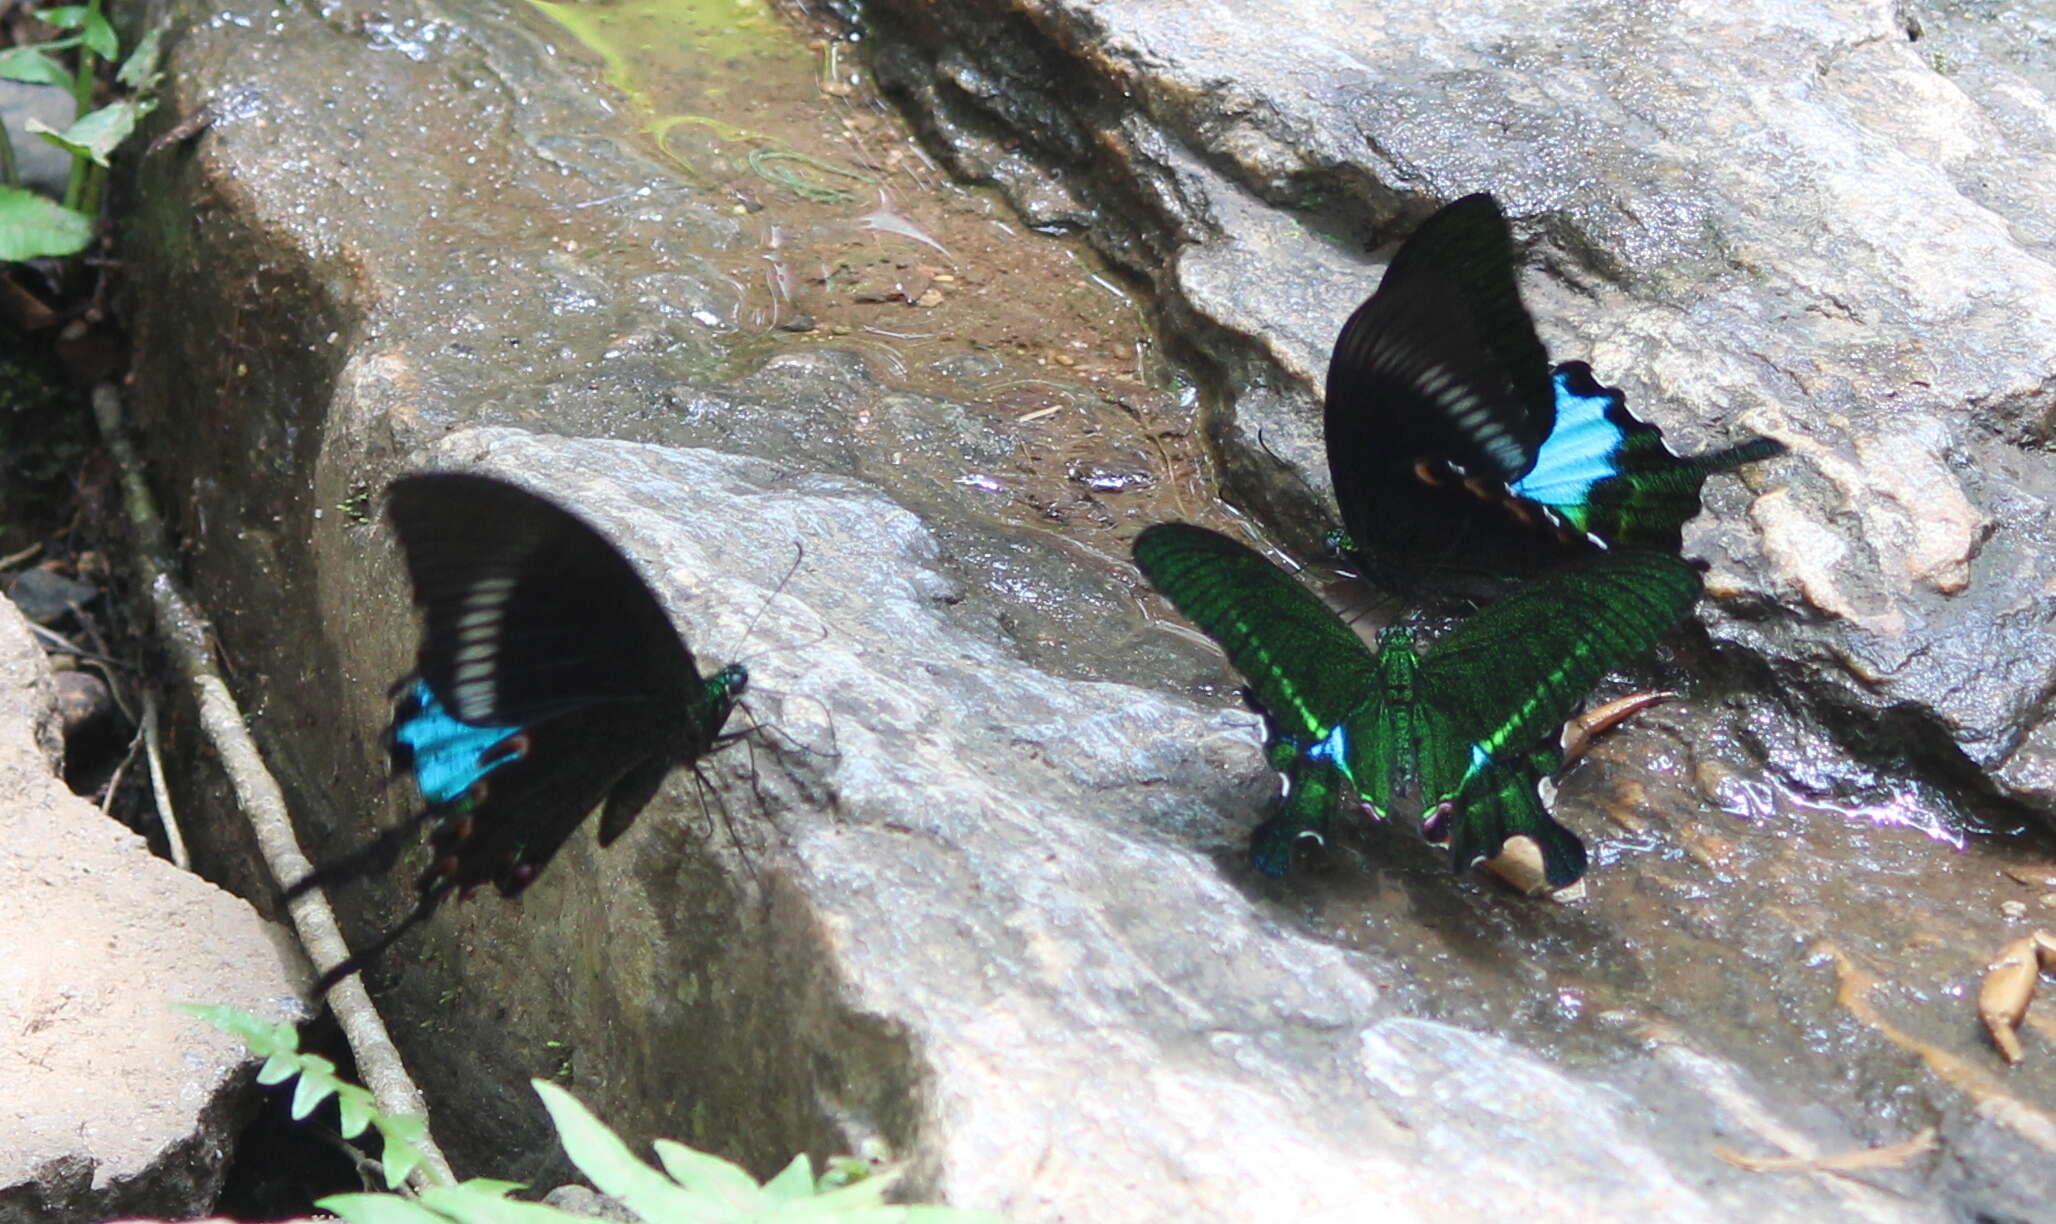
2013	909
82	701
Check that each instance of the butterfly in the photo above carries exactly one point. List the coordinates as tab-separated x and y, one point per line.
1453	446
1468	728
549	681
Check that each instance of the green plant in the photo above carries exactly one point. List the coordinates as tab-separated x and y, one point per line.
283	1059
693	1187
31	226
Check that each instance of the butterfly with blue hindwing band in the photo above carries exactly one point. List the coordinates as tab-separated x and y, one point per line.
1468	729
549	681
1456	450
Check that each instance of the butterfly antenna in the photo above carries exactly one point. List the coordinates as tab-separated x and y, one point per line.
799	554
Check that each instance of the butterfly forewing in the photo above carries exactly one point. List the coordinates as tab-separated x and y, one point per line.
528	611
1307	669
1456	451
1515	671
1440	362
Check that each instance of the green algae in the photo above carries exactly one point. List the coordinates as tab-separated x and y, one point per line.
691	64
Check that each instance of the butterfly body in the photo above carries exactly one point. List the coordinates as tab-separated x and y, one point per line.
1466	731
1455	447
549	682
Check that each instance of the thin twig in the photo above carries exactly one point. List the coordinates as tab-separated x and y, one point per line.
160	790
128	758
184	636
58	640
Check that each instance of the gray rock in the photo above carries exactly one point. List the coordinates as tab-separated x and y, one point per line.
980	903
44	168
46	597
112	1103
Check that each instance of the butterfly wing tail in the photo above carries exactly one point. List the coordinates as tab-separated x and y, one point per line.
1312	790
1499	803
374	858
1735	456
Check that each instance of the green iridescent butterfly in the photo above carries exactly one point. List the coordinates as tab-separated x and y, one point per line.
1470	729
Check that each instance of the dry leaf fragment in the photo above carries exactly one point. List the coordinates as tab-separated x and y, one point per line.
2009	986
1519	863
1890	1156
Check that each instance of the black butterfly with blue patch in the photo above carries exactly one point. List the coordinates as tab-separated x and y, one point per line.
1456	450
549	681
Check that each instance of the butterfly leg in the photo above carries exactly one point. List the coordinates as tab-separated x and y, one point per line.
1580	731
431	896
372	859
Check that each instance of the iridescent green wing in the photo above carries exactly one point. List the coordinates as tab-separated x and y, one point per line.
1516	670
1513	673
1307	670
1314	788
1314	678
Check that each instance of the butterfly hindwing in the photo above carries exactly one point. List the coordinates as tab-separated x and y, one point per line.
1504	800
513	825
1606	474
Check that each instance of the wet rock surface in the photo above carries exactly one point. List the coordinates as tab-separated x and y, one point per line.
112	1103
982	902
1826	224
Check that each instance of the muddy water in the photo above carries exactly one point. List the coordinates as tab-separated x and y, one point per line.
1832	946
856	240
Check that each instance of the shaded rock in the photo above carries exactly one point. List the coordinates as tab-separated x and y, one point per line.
44	168
114	1103
96	732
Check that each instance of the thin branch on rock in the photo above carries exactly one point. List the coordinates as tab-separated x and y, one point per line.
185	640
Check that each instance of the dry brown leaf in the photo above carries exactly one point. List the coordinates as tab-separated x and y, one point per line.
2009	986
1890	1156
